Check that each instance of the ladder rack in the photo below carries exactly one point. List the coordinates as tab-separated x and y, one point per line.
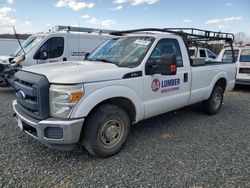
191	34
81	29
206	34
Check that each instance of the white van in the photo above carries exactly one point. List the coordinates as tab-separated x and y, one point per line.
242	58
62	43
204	53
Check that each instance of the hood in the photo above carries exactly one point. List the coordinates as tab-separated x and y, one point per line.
78	72
5	59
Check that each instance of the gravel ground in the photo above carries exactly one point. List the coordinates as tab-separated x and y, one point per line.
179	149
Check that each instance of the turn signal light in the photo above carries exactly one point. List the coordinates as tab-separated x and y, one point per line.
76	96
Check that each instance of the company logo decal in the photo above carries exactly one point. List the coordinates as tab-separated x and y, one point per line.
155	85
78	53
165	85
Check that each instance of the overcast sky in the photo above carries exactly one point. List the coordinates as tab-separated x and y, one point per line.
30	16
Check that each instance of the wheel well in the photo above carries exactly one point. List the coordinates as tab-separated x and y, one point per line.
222	82
122	102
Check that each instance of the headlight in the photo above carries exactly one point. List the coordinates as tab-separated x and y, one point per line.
63	99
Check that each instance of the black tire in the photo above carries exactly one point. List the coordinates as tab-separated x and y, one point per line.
212	105
105	131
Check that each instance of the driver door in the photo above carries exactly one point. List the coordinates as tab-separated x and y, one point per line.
163	93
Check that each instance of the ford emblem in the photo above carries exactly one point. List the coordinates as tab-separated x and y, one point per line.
21	94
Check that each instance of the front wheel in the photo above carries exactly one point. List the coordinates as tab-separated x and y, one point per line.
105	131
212	105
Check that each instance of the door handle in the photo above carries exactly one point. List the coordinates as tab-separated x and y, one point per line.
185	78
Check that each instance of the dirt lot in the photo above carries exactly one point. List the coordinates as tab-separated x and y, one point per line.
185	148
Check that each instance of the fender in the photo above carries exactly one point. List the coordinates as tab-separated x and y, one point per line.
86	104
216	78
204	93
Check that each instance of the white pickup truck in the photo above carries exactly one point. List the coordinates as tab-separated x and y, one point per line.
127	79
242	61
198	52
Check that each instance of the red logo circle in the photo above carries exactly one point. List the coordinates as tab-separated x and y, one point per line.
155	86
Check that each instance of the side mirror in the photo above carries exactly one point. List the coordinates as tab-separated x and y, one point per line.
86	56
43	55
166	66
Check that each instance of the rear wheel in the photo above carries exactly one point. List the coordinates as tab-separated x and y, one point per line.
212	105
106	130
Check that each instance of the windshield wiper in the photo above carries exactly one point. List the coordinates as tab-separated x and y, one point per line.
106	61
18	40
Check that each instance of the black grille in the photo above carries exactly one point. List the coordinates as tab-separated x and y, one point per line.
244	70
29	129
32	93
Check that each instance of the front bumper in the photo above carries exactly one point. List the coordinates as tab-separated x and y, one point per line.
242	81
54	132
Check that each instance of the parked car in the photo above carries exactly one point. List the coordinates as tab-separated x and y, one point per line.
134	76
60	44
242	58
204	53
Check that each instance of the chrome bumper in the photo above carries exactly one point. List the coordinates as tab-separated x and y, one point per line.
52	131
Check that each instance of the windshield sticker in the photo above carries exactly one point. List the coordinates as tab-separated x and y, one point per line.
165	85
142	42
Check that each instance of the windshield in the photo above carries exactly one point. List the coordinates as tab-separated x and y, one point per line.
28	44
123	52
227	56
192	52
245	55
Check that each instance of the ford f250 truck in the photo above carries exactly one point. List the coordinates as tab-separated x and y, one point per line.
134	76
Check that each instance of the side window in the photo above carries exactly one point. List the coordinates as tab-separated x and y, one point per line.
227	56
53	48
210	54
202	53
245	55
167	46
